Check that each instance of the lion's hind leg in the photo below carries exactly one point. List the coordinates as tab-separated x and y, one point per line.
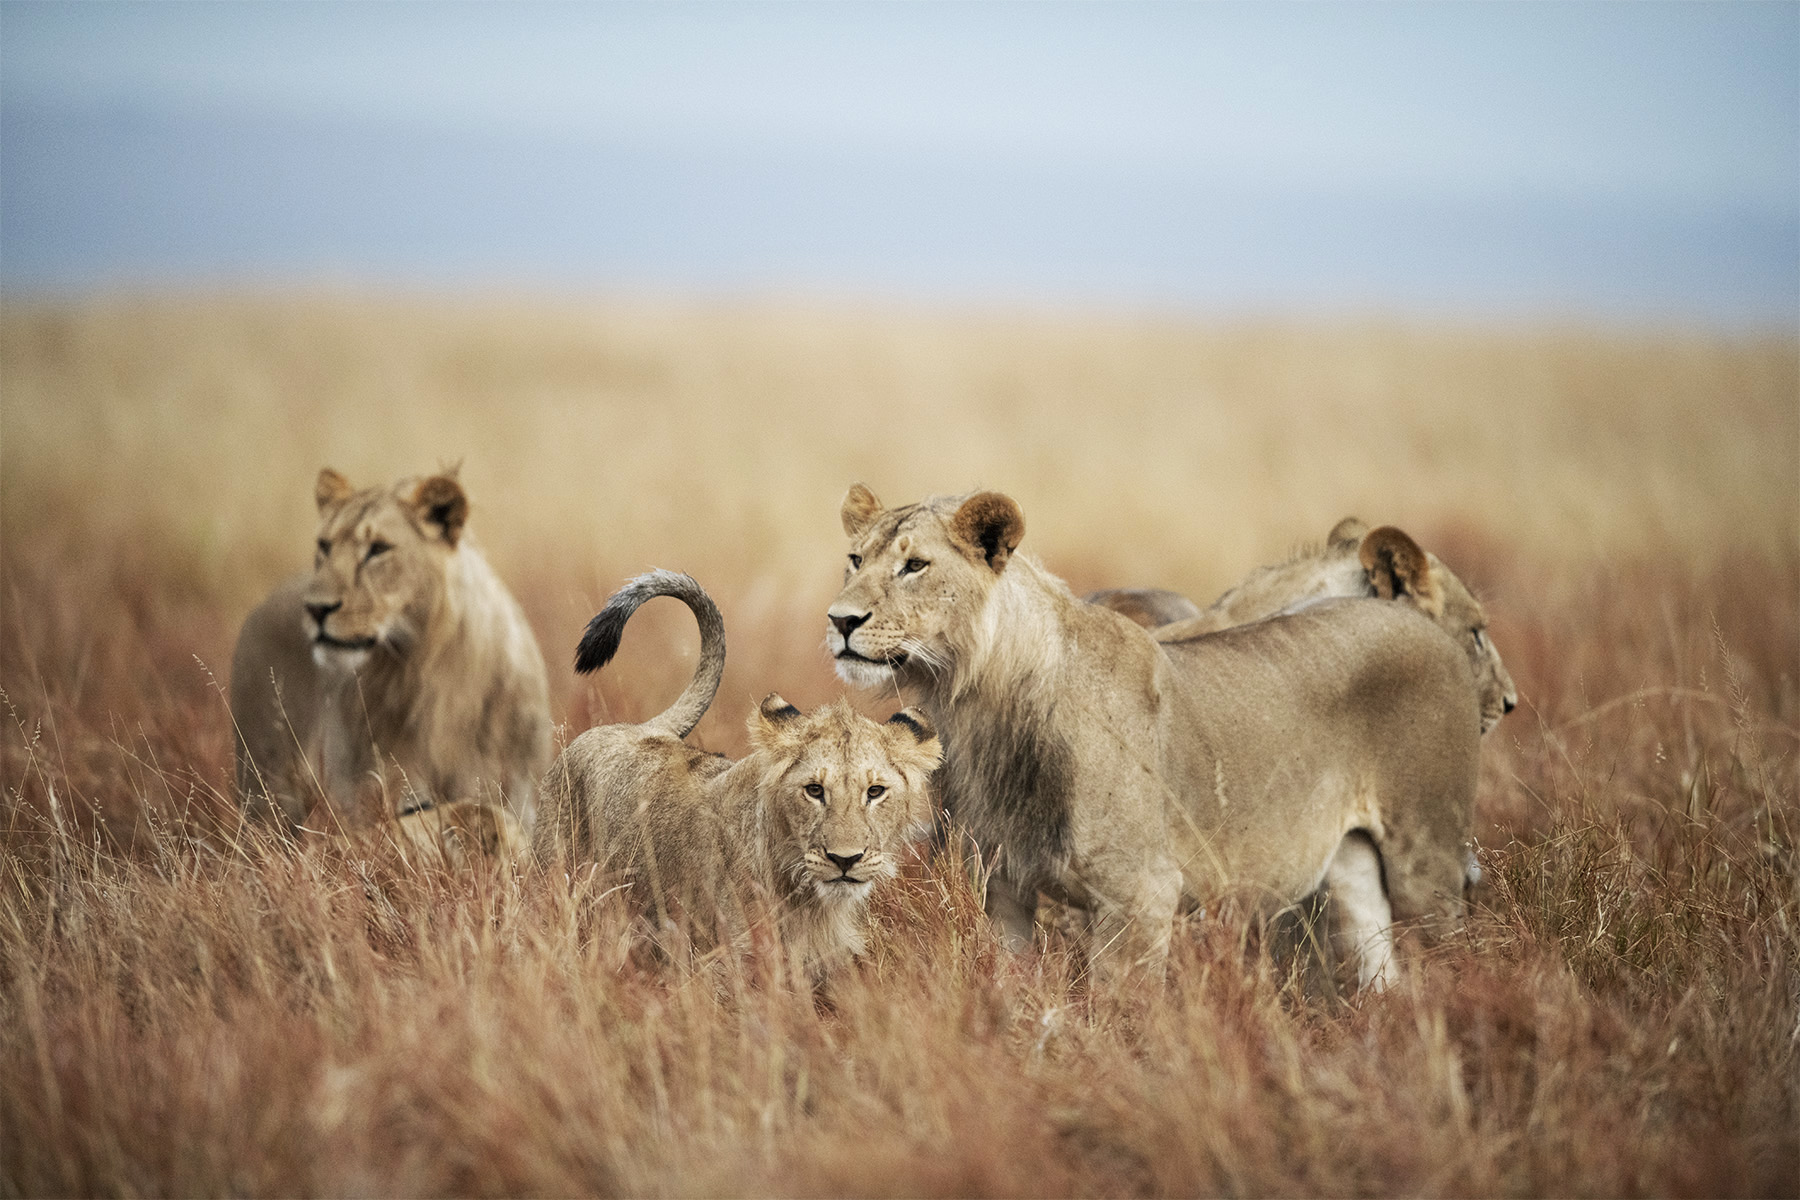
1361	919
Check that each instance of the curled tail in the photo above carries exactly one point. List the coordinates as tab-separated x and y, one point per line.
600	641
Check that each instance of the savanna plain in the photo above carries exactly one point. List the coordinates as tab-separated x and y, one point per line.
189	1006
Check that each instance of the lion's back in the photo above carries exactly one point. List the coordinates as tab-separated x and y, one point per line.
615	790
1308	578
1340	662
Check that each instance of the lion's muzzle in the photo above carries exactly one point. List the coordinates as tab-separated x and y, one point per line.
843	862
844	624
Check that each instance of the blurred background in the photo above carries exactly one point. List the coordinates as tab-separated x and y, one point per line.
1610	161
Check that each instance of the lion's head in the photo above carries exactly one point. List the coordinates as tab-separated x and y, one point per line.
916	581
1399	569
842	794
380	565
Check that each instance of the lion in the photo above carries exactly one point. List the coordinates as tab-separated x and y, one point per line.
1354	561
810	820
1335	746
400	675
461	835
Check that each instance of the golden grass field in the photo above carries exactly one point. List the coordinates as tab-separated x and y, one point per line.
186	1008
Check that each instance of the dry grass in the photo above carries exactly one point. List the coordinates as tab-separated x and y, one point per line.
186	1008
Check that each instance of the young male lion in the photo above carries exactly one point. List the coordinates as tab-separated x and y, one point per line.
1127	776
1355	561
808	822
400	674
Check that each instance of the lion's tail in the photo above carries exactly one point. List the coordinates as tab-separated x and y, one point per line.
600	642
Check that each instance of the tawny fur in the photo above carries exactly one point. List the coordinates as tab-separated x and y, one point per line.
462	835
1128	776
400	674
1354	561
465	837
1149	607
705	844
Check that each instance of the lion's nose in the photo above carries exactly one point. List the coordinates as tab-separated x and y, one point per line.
847	625
844	862
1508	703
319	612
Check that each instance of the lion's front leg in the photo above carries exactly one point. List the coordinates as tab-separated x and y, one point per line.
1013	910
1133	918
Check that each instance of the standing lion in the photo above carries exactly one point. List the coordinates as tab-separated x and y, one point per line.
1131	777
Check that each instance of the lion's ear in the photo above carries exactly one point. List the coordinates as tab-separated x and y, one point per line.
923	735
860	510
991	523
331	489
1347	532
1399	569
914	744
441	501
768	718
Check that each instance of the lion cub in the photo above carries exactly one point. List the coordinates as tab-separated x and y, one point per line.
809	821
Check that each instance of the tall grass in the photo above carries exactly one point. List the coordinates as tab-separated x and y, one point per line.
189	1006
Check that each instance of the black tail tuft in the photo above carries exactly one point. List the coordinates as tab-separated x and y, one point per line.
600	641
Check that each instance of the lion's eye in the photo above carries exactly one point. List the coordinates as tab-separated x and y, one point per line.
815	790
856	562
914	566
325	546
876	792
1480	641
376	547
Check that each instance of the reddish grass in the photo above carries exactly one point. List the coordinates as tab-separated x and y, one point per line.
189	1007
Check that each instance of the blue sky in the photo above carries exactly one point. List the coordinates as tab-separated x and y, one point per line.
1630	161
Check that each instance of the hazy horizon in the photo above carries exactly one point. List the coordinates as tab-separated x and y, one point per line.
1469	161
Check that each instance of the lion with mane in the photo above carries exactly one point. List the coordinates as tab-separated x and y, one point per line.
1130	777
